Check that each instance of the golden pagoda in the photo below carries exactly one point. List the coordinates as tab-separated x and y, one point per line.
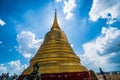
55	56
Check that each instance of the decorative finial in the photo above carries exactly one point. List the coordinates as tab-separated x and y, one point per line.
55	12
55	23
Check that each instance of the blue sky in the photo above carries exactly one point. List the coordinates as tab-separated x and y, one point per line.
92	28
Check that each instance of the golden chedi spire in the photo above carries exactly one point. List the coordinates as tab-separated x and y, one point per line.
55	23
55	55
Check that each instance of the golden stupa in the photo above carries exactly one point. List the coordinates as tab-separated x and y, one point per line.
55	55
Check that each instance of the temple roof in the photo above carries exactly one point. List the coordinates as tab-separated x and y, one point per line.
55	25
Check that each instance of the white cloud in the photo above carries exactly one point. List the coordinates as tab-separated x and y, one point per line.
16	67
2	23
108	40
28	44
98	52
72	45
101	8
58	0
0	42
69	15
13	67
3	69
111	21
69	5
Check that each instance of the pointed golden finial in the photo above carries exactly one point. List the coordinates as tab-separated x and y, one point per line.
55	23
55	12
